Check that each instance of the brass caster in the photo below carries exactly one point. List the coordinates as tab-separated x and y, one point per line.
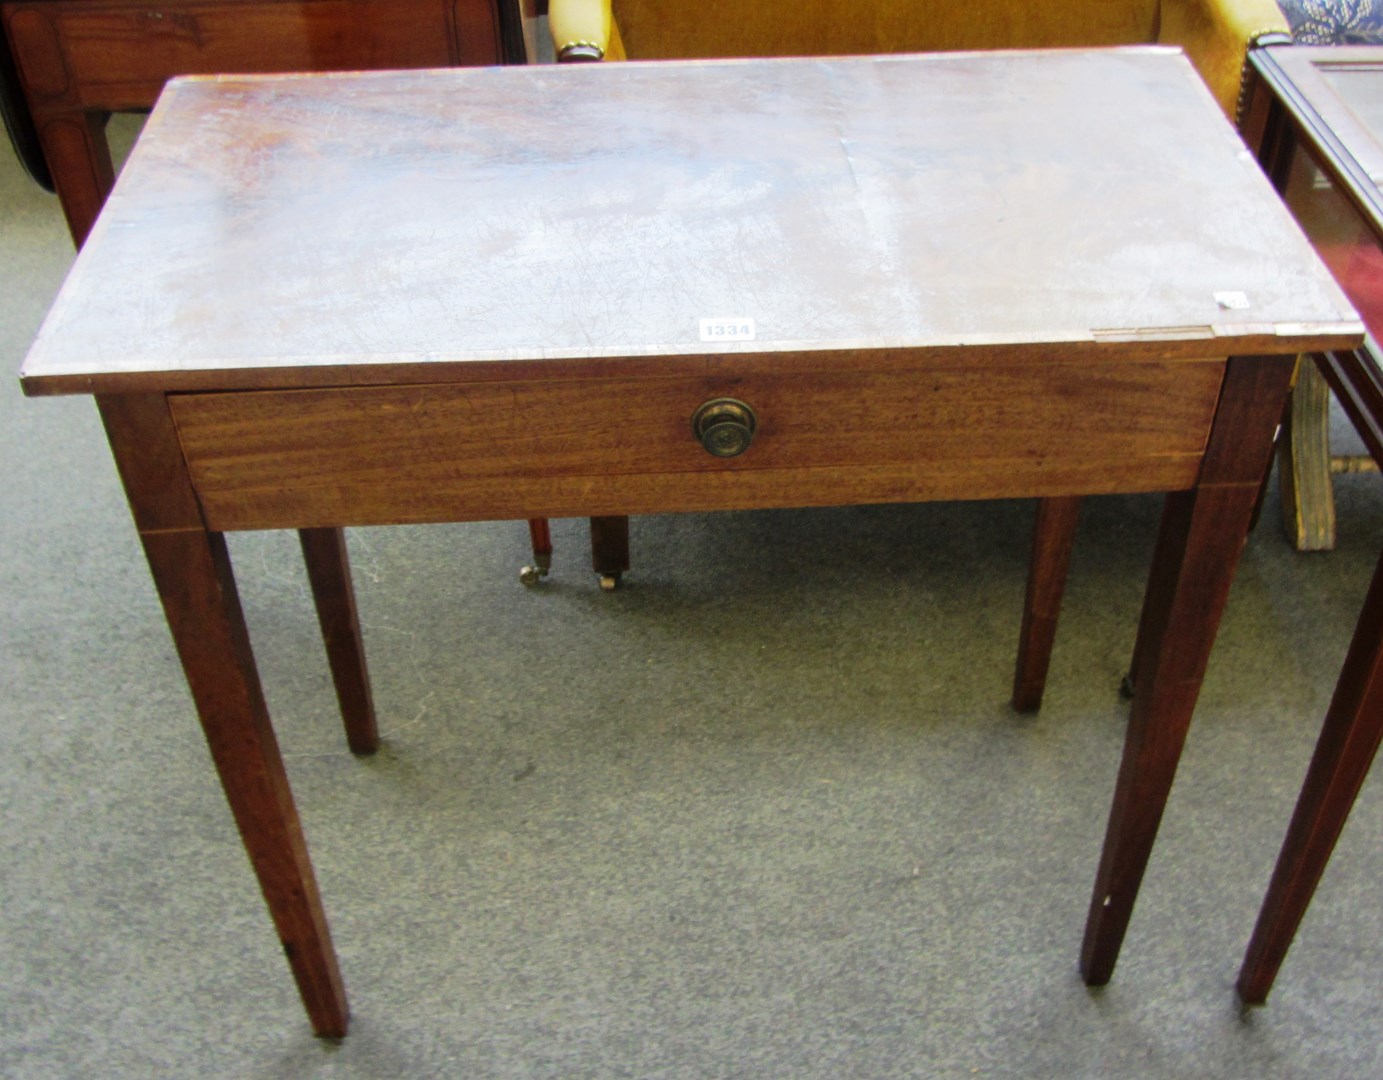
609	582
531	575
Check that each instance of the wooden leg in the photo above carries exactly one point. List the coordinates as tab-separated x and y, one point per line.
1284	426
192	571
1349	741
609	549
1202	535
329	572
540	535
1054	535
74	142
1308	499
1166	552
193	575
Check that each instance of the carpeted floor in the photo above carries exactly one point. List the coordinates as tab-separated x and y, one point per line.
764	812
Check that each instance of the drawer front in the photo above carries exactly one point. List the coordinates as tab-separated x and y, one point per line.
116	54
379	455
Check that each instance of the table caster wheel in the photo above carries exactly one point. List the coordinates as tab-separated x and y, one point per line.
531	575
609	582
1126	687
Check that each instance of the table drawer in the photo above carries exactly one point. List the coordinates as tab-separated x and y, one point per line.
378	455
117	54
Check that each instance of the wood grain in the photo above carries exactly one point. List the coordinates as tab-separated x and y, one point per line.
1303	464
329	575
120	53
1198	548
1053	540
449	452
192	571
79	60
546	214
972	276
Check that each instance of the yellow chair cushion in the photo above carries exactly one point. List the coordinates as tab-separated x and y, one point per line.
665	29
1215	33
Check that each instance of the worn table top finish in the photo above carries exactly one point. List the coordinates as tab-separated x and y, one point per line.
275	231
337	300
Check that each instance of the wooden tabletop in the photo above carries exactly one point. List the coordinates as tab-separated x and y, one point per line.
321	229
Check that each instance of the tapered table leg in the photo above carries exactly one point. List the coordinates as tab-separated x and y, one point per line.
329	573
1347	746
192	571
1053	537
1202	534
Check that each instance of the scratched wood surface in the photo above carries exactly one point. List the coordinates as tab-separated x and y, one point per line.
336	228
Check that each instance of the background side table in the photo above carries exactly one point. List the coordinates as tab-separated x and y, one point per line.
1329	102
1305	462
76	61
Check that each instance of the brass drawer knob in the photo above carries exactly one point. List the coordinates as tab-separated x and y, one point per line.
724	426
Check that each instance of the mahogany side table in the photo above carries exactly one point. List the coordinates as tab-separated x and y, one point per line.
509	293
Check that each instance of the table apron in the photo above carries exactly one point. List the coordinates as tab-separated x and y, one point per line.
475	451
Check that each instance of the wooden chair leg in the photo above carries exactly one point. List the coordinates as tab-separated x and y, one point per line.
609	549
329	573
1054	537
78	154
540	536
1349	741
1308	499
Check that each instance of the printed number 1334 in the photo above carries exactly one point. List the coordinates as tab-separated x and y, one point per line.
727	329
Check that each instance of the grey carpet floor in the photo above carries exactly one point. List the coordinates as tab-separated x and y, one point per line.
763	813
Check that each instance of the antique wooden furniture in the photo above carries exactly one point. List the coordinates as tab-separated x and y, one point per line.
65	65
961	276
1305	462
1329	102
68	64
1216	34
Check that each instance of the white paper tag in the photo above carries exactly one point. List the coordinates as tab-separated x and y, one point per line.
727	329
1233	301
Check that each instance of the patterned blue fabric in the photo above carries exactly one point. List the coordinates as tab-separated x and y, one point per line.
1335	22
